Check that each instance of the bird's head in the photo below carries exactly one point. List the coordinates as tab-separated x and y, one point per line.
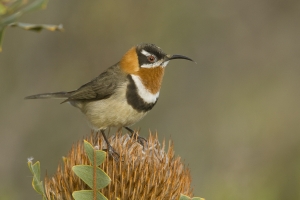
145	64
146	56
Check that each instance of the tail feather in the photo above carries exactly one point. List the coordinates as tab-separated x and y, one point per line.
55	95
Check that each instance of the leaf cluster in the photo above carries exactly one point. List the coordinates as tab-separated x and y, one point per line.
92	175
12	10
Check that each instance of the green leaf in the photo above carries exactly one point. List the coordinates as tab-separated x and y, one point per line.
36	183
87	195
16	10
85	172
36	170
184	197
19	11
37	27
100	155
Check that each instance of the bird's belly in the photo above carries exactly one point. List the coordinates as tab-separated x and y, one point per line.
111	112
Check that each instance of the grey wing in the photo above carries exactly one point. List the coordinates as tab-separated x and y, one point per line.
101	87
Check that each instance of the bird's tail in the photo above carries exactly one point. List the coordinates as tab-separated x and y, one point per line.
55	95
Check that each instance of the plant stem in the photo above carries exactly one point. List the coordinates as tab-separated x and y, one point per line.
94	176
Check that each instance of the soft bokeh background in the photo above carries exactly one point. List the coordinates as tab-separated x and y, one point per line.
234	117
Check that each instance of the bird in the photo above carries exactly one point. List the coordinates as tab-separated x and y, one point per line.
124	93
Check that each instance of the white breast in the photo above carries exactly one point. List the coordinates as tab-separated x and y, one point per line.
111	112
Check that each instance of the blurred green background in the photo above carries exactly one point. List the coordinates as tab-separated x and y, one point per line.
234	117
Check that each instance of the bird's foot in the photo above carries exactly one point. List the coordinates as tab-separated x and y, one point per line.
110	149
113	153
142	141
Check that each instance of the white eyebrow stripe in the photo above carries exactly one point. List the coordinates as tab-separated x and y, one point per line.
156	64
143	92
146	53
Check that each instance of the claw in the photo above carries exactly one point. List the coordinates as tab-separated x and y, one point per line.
113	153
142	141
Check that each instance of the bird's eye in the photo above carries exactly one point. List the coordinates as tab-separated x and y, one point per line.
151	58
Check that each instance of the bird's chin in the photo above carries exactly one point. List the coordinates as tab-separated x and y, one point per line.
164	64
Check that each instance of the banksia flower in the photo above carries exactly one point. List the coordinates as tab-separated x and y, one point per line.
147	172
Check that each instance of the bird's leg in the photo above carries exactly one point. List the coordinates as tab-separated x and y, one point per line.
110	149
138	138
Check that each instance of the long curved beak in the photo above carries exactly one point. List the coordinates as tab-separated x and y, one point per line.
172	57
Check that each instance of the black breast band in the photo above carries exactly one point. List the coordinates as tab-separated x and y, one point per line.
134	99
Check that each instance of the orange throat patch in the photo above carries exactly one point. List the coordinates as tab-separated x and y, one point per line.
151	78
